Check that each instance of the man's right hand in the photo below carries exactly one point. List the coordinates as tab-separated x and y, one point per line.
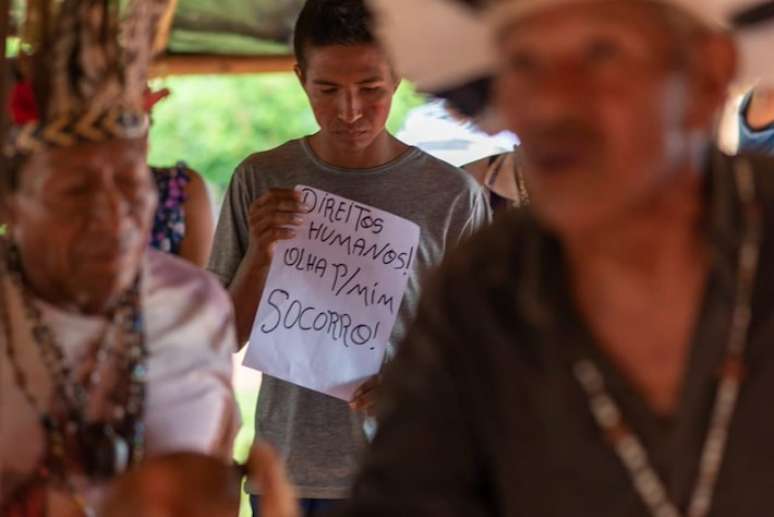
272	218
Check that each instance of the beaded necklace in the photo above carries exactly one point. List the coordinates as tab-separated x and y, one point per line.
103	448
625	442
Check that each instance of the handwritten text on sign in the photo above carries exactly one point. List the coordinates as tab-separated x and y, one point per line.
332	295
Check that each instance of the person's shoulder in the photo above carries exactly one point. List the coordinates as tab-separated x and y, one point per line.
504	240
167	271
196	187
478	168
445	173
492	259
185	293
252	173
193	176
262	160
489	284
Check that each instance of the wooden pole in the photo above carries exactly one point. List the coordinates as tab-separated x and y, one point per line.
165	28
5	75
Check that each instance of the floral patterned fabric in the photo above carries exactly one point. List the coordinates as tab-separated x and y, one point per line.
169	224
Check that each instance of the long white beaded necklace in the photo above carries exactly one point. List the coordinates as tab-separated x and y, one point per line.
628	446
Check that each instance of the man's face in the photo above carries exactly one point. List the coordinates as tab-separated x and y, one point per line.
604	116
350	89
81	218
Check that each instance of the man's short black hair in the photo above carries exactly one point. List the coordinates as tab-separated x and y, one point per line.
331	22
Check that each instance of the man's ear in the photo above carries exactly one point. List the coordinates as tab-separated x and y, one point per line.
714	69
299	73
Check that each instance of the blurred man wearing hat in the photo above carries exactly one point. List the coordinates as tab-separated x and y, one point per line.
606	351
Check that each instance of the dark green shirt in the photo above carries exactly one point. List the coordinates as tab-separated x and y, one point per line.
482	416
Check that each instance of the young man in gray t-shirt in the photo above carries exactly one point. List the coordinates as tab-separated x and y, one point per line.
350	86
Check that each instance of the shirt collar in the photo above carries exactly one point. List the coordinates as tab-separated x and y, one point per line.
543	282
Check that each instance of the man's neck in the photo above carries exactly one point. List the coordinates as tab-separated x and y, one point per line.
656	238
638	284
384	149
51	292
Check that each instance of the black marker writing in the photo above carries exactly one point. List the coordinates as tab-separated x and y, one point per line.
339	326
360	247
337	210
351	285
300	260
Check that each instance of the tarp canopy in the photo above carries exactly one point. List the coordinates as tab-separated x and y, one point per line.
233	27
219	36
227	36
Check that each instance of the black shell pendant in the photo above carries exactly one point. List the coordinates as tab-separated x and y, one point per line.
105	452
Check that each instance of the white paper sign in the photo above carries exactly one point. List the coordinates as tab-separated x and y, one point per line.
332	295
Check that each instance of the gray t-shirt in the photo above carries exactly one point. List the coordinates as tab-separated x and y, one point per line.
319	437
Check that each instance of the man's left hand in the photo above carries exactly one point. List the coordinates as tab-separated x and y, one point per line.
365	396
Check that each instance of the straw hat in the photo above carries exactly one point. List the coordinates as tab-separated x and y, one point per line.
446	46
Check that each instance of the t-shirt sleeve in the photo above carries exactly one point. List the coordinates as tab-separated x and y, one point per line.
232	232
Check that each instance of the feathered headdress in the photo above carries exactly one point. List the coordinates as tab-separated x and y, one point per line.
91	60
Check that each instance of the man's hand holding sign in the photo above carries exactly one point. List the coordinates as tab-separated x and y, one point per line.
272	218
332	293
364	399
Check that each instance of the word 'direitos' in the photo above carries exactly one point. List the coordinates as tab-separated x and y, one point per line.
339	210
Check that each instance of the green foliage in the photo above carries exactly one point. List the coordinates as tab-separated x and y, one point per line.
214	122
11	46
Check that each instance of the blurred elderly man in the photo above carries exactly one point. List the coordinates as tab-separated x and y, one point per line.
607	351
108	352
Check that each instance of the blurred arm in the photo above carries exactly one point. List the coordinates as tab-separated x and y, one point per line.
199	222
